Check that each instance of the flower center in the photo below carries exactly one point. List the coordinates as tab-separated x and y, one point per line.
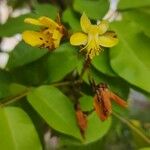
47	39
93	46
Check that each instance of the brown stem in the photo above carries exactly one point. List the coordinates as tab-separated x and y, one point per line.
85	67
10	100
24	93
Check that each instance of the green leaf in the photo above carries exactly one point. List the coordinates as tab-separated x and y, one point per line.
126	4
70	18
24	54
120	110
94	9
9	29
90	146
86	103
145	148
56	109
32	74
81	62
15	25
141	18
102	63
46	10
16	88
17	131
61	62
5	80
96	128
130	58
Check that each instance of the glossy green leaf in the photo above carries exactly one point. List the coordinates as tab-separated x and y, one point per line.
61	62
145	10
95	9
9	29
5	80
145	148
120	110
17	131
140	17
31	74
96	130
86	103
102	63
24	54
16	88
46	10
71	19
56	109
130	57
91	146
81	61
15	25
126	4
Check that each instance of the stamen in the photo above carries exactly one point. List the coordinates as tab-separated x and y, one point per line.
48	47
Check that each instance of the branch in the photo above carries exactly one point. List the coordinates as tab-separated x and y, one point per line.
24	93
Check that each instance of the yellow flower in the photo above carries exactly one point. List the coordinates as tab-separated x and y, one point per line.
93	37
49	36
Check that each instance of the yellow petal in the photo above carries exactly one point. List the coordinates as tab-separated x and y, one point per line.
78	38
33	21
85	23
56	34
103	27
56	37
47	22
33	38
108	40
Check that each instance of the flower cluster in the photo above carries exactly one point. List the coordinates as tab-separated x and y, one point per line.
93	38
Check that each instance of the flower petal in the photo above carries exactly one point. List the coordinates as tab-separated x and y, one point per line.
33	38
47	22
42	21
99	109
108	39
56	37
85	23
33	21
81	119
78	38
105	95
118	100
103	27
